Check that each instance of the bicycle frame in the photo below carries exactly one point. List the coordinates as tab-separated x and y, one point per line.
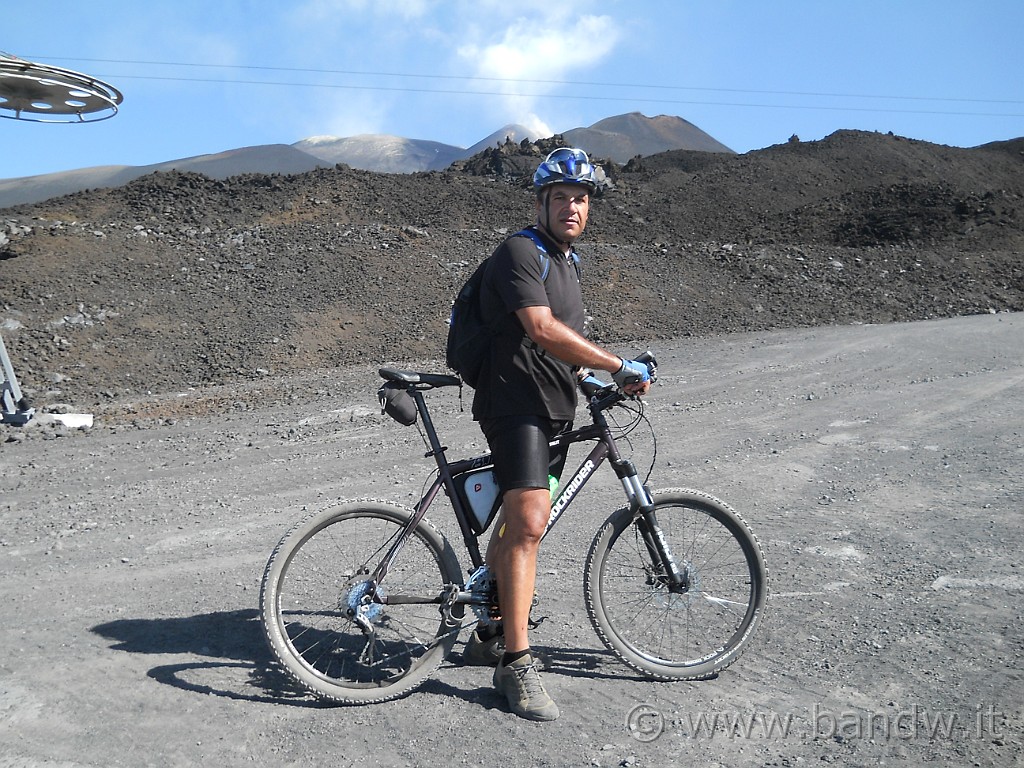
362	600
606	449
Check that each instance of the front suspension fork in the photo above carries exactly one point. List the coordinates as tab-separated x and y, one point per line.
646	520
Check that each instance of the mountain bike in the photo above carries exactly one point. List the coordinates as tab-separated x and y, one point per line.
362	601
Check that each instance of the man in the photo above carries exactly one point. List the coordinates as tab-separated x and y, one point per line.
526	395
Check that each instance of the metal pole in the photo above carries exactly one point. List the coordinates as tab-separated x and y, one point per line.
12	405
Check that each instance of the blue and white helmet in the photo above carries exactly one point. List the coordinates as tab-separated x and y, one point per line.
568	166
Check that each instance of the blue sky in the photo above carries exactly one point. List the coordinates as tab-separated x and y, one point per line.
201	76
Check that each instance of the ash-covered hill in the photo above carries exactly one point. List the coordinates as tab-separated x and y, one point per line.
176	281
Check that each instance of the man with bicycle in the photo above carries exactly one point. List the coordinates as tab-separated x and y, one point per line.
526	395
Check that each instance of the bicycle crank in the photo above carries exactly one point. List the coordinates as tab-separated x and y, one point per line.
483	590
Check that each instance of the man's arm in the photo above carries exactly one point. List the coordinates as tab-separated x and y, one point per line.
557	338
554	336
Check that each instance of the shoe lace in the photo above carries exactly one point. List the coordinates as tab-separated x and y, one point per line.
529	680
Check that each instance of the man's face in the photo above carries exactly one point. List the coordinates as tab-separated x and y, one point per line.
563	210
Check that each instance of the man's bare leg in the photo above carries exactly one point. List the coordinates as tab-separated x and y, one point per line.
512	555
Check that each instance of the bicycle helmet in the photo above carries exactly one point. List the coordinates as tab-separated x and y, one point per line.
568	166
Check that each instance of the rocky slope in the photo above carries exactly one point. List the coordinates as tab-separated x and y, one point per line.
176	280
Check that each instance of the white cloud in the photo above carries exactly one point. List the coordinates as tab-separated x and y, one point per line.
536	126
532	57
550	49
513	54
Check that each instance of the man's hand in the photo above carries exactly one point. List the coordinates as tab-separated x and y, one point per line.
633	377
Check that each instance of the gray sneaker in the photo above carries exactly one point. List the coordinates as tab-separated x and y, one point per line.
520	682
487	653
483	653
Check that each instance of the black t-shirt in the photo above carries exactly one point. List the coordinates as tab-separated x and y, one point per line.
519	377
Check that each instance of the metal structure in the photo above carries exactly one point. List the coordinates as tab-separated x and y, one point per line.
45	94
13	408
42	93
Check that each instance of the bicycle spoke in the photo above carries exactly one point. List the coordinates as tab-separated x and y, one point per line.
721	601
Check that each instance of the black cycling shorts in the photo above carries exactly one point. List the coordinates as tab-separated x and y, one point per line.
520	450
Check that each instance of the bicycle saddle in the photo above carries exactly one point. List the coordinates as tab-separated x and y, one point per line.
415	377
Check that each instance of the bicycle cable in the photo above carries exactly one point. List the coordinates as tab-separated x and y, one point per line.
625	430
654	446
638	411
435	471
429	480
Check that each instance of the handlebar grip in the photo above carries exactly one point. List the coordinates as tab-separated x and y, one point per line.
652	365
591	385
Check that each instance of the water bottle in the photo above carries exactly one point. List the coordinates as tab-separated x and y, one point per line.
553	486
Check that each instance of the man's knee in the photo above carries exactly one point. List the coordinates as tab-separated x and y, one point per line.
526	512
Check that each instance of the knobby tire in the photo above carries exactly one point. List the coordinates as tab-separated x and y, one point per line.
686	634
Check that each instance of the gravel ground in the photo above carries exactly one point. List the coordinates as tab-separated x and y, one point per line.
879	465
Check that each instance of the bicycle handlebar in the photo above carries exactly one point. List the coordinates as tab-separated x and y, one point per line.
593	387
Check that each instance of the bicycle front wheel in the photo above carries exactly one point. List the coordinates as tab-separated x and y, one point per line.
686	632
336	633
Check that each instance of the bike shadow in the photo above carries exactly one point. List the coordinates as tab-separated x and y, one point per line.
237	664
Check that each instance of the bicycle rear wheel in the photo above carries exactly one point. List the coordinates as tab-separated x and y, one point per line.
320	616
677	634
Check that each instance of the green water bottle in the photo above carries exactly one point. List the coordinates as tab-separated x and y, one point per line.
553	485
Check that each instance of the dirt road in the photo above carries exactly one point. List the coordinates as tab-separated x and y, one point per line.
881	467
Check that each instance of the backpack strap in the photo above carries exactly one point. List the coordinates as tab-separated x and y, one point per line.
545	260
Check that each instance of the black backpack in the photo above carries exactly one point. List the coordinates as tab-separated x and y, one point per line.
469	337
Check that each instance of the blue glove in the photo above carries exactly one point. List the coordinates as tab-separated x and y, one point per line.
631	372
